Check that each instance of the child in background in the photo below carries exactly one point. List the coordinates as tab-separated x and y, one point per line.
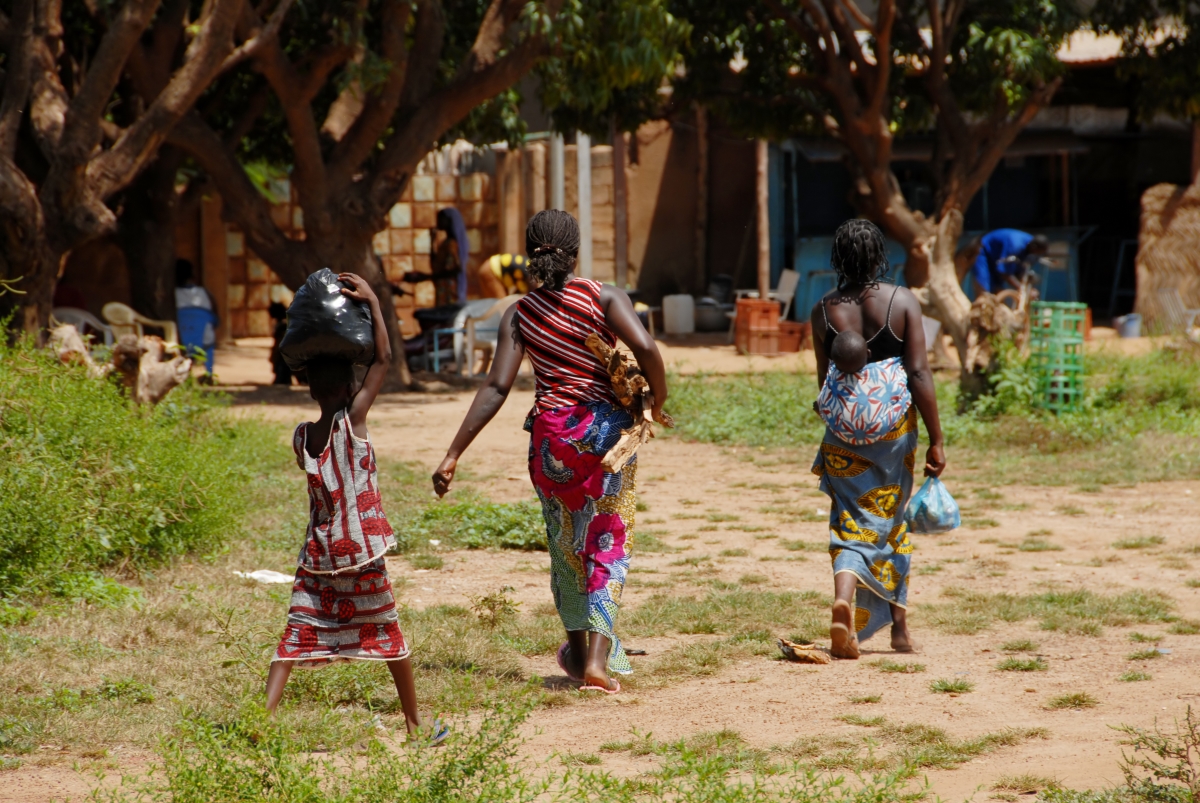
342	606
283	374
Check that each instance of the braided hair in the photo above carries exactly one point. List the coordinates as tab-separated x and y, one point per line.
552	242
859	255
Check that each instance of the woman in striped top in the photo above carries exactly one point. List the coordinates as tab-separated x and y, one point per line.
575	420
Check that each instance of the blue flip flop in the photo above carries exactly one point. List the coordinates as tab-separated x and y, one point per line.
430	735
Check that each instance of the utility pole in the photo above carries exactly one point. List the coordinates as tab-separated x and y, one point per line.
701	235
620	206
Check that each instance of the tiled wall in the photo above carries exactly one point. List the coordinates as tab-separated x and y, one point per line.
404	246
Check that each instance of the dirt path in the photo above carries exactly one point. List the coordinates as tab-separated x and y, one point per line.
770	702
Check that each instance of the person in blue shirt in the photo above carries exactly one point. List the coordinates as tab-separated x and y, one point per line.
1005	256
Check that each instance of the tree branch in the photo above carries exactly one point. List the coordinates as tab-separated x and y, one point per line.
242	201
16	80
885	19
859	17
359	141
115	168
48	101
82	130
260	38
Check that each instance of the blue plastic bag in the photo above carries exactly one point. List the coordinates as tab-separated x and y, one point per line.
932	509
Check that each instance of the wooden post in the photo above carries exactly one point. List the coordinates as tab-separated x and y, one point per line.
762	200
557	175
701	235
583	161
1066	188
512	239
620	206
535	179
214	263
1195	151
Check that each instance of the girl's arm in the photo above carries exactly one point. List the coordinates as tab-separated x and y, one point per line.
920	381
488	401
620	317
377	373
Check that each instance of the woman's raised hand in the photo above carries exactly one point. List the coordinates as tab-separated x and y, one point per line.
359	289
444	476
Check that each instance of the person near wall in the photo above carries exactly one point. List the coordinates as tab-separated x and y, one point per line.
196	313
576	419
448	260
503	275
283	374
1005	256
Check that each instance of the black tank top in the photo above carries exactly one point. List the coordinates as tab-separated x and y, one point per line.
882	345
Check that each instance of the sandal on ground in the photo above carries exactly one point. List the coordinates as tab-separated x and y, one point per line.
617	690
430	735
562	663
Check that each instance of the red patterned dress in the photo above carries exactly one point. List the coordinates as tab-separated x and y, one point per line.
342	605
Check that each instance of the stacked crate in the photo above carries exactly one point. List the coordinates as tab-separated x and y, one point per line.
756	326
1056	338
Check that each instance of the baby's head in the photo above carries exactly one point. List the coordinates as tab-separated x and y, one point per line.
331	381
849	352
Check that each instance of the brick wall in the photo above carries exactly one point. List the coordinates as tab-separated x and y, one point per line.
403	246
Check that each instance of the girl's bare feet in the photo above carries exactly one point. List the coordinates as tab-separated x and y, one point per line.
842	641
901	638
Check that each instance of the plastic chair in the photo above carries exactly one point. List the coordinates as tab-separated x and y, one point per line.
483	333
784	293
435	351
1178	317
125	321
81	318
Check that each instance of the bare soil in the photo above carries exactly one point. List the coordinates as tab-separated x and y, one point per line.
771	702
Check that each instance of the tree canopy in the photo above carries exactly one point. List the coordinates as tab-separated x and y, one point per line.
1160	50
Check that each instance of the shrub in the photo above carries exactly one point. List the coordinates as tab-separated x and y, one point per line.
91	480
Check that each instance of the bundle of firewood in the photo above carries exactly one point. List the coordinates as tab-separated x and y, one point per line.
633	394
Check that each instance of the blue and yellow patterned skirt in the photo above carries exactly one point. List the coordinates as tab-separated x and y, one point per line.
869	487
589	515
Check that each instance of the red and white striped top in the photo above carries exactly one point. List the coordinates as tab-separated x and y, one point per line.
346	525
554	327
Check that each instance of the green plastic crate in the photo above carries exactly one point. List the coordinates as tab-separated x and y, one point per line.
1056	352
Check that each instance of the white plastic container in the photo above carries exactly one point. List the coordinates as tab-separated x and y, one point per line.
679	315
1129	325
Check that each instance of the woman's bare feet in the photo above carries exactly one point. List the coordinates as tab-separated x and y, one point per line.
902	639
842	641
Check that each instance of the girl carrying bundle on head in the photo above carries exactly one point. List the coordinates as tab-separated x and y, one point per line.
872	332
575	420
342	605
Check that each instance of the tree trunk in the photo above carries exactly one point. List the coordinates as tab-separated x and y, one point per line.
147	236
28	262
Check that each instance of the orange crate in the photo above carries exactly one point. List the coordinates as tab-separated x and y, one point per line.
757	315
757	342
794	336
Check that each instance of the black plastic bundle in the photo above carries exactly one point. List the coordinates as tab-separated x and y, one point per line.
321	322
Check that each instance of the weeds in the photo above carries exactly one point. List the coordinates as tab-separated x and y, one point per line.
1075	701
1134	676
956	686
1142	638
1078	612
1184	627
1139	542
1022	665
1021	645
890	666
1144	655
866	699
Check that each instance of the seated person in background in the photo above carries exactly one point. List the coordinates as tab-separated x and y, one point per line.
502	275
448	260
1005	256
849	352
196	313
283	374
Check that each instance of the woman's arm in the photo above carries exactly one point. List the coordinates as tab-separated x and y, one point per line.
620	317
817	321
377	373
920	381
488	400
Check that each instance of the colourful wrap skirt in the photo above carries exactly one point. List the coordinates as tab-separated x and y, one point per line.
589	515
869	486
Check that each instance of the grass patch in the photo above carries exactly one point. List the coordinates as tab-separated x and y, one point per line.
866	699
956	686
1022	784
1077	612
796	545
890	666
1134	676
753	579
426	560
748	612
1140	542
734	553
1192	582
1184	627
1022	665
1020	645
1038	545
1075	701
1142	638
1145	655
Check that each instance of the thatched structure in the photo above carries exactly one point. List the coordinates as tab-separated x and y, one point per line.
1168	249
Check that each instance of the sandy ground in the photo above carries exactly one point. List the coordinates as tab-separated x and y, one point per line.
771	702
